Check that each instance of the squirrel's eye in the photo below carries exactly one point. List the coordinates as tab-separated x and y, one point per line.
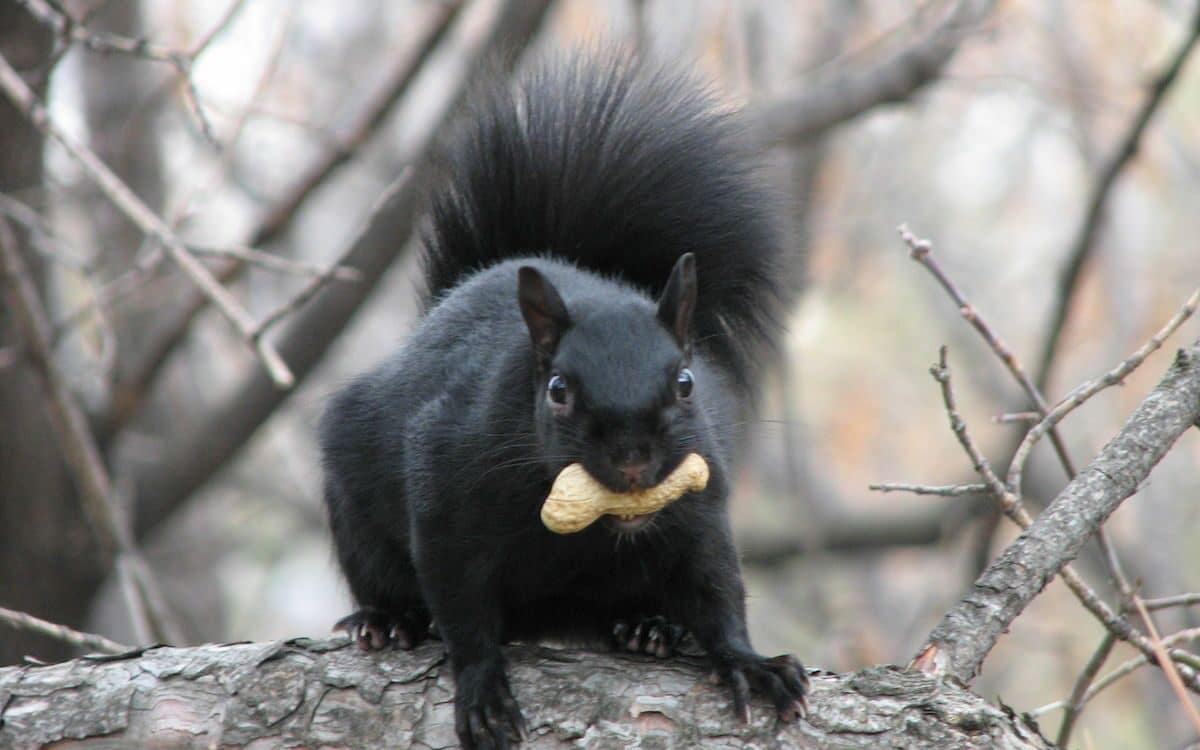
556	389
684	382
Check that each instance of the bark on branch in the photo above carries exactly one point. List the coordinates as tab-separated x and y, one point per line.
325	693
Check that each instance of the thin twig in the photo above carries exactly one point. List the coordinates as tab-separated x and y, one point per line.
1010	503
954	490
70	636
1169	667
145	219
231	12
316	283
1075	701
1181	600
104	42
274	262
1085	391
1018	417
229	151
1085	237
922	251
44	239
1124	669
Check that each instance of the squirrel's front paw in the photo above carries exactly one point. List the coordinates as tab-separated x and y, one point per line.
373	629
486	715
781	678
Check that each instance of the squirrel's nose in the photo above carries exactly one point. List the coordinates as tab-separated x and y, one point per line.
634	472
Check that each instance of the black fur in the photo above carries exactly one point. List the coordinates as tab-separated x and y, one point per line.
564	313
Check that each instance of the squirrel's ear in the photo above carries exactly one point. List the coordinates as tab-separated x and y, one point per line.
543	309
678	300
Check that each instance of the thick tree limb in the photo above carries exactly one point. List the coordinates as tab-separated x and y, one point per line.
325	693
852	91
959	644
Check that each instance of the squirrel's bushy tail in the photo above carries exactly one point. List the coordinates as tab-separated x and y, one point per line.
620	166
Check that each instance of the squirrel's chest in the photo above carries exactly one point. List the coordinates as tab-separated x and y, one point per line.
596	566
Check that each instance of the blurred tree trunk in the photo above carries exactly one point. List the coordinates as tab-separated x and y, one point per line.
47	552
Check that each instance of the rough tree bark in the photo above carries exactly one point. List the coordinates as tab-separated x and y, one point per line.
328	694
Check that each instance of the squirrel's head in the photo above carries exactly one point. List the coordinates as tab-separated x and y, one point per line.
613	387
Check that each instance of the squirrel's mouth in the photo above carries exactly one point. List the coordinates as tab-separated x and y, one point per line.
627	524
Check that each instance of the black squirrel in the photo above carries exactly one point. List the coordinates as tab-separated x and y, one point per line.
605	275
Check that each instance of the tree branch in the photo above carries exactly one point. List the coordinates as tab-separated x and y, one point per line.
323	693
851	92
70	636
959	644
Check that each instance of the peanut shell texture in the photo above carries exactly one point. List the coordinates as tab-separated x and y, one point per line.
576	499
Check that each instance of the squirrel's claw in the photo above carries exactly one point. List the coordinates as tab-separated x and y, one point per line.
373	629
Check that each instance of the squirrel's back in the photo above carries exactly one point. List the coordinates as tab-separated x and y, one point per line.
618	165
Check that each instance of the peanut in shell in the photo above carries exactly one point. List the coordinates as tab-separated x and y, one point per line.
576	499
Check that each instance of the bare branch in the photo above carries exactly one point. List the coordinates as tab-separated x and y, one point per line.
851	92
921	251
146	220
66	27
1009	495
1082	393
959	644
62	633
1010	504
1085	237
1075	702
1169	668
1126	668
1181	600
69	29
954	490
317	282
256	257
